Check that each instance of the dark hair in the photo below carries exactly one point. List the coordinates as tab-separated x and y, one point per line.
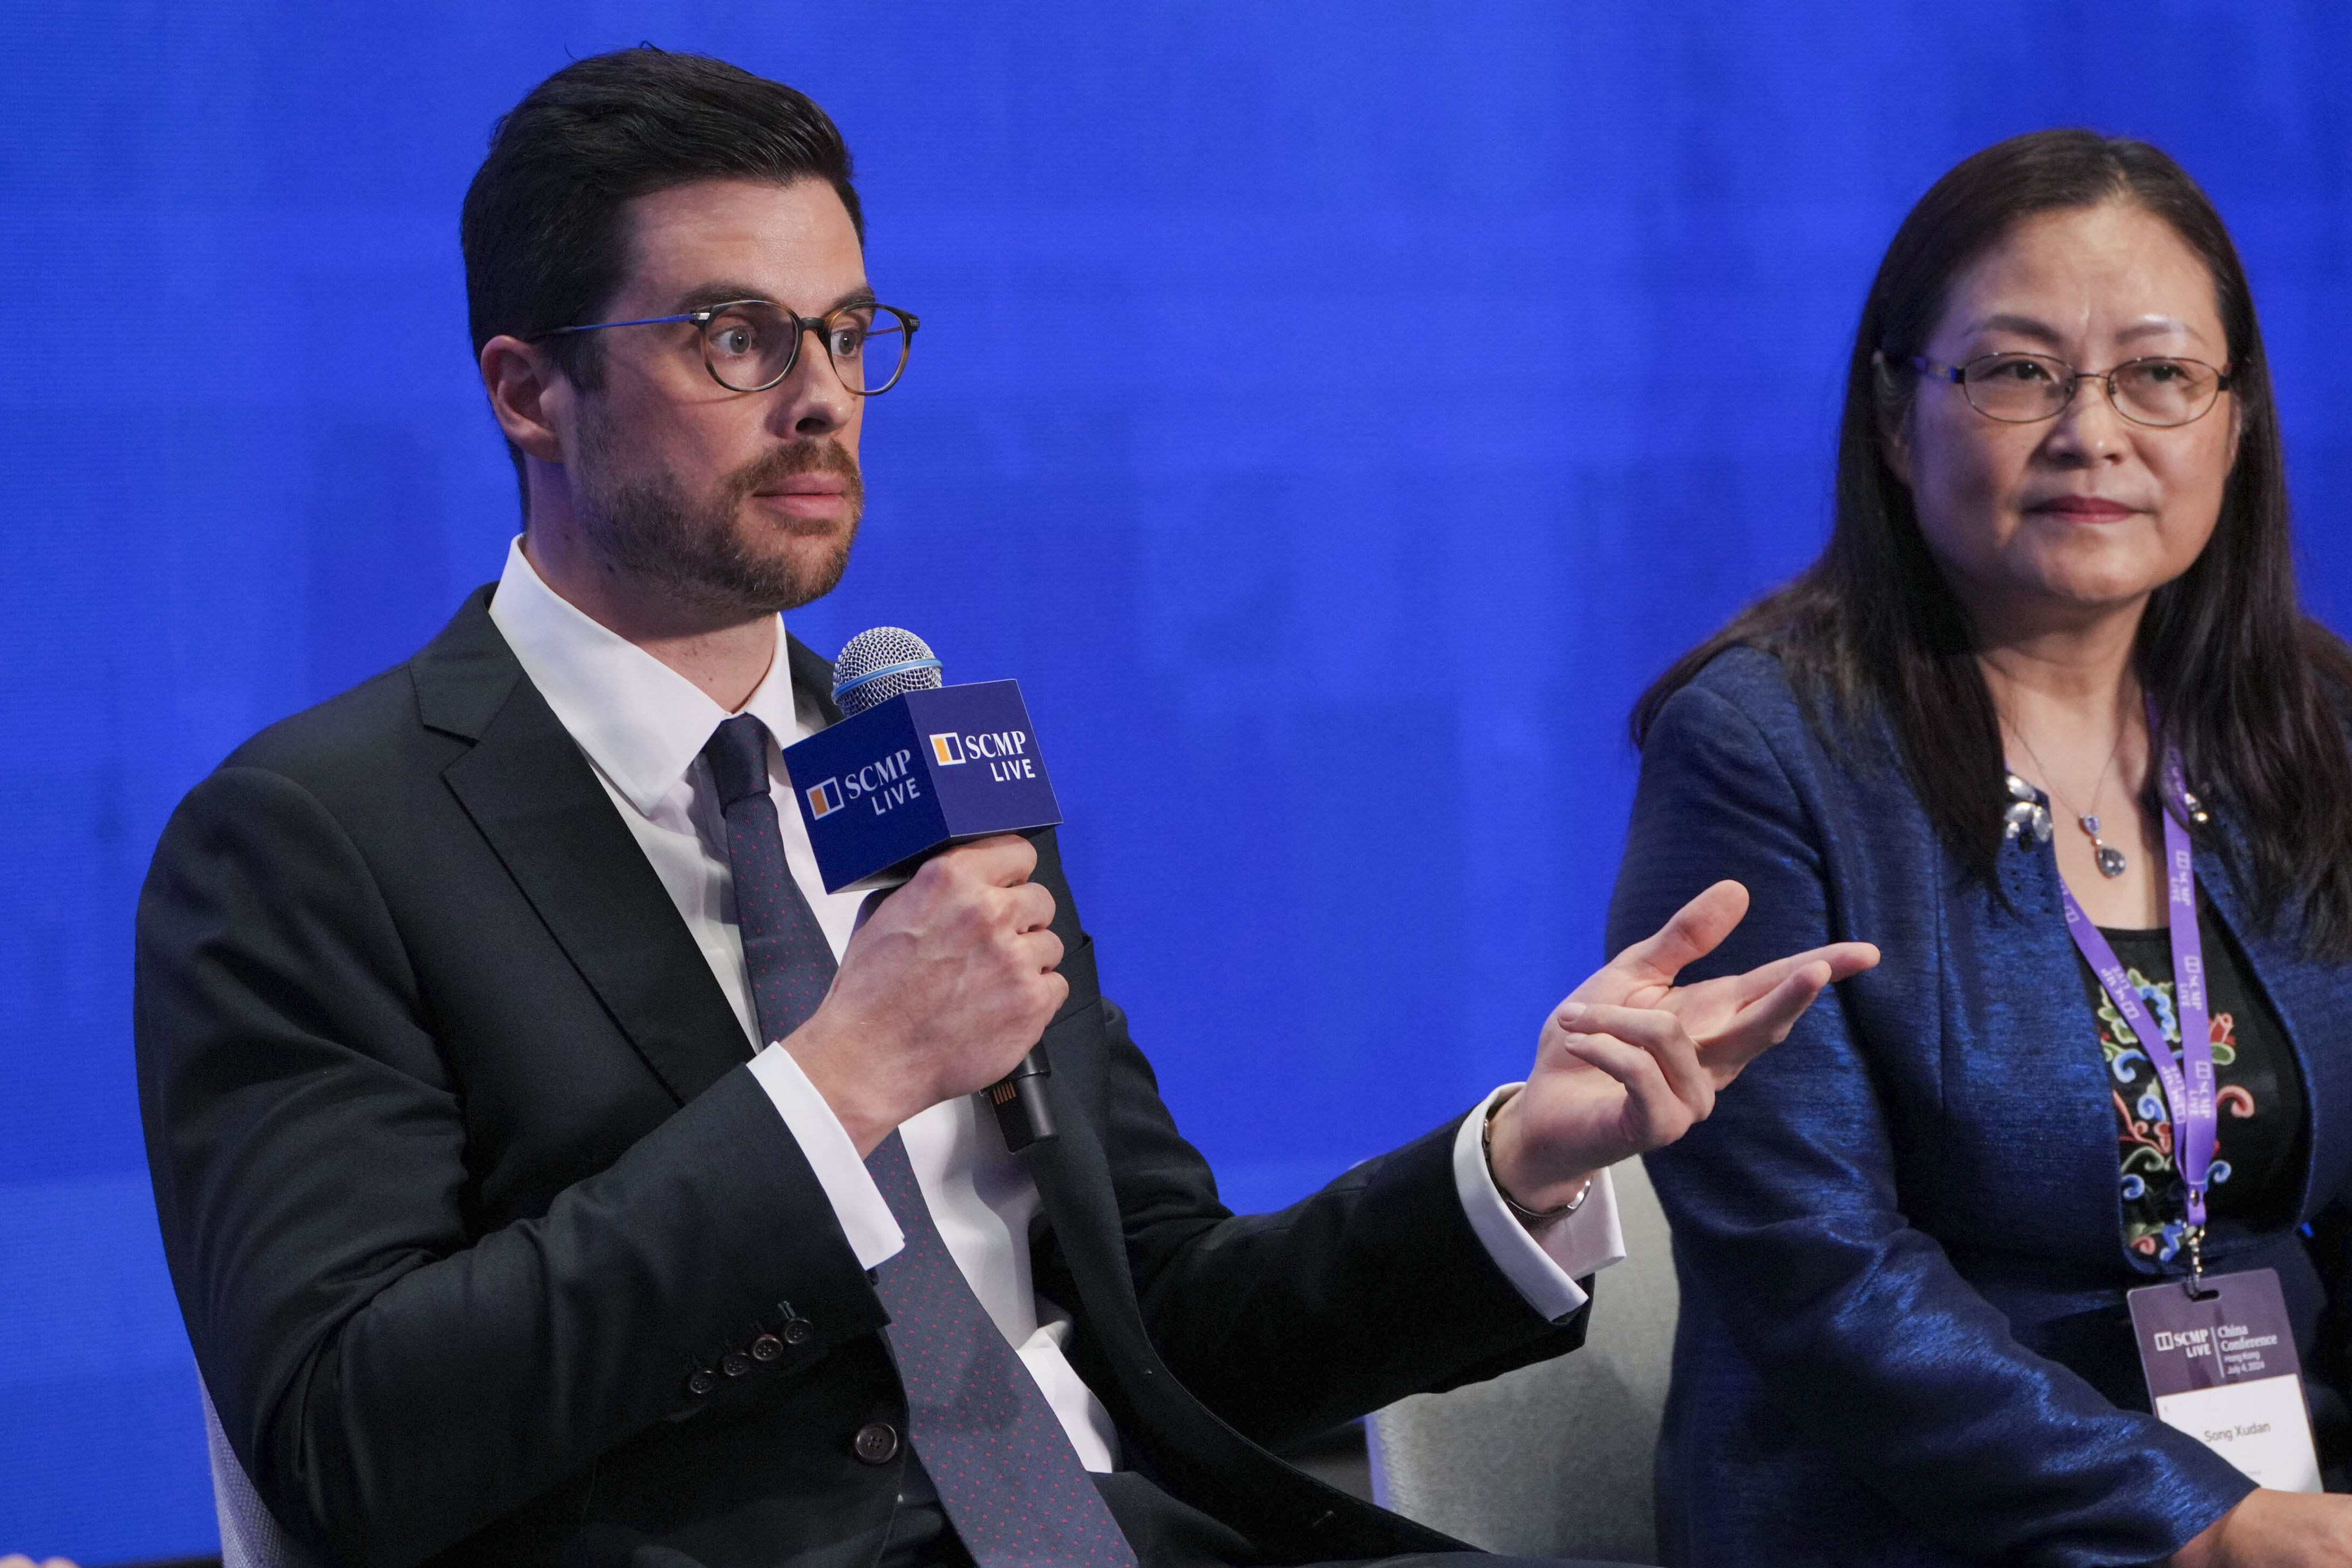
2244	682
541	225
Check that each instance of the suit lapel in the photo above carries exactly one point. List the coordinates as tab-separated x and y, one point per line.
1074	1179
1206	1460
1291	1515
1150	1406
812	677
534	798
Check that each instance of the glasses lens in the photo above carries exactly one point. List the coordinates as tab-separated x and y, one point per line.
750	346
2164	391
868	345
2016	388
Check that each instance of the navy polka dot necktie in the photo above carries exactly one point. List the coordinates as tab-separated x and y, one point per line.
1004	1468
784	949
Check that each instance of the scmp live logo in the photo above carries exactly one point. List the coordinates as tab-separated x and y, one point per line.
1006	753
892	782
887	783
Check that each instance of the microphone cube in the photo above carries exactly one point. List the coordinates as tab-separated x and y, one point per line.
926	769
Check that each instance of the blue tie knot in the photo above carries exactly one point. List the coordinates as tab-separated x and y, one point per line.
738	751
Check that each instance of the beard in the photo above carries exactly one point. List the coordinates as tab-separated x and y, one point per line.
648	525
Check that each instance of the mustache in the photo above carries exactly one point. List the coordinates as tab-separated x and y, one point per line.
811	454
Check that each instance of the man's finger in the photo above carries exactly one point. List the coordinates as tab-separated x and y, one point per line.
1767	1022
1654	1115
1030	907
1042	948
1696	930
1655	1032
1059	988
1845	959
1005	861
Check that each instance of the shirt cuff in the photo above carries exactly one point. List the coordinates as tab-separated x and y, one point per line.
1543	1268
857	1202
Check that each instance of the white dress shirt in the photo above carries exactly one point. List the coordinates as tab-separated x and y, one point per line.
642	727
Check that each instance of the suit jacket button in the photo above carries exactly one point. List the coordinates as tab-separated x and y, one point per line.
703	1381
734	1363
767	1347
799	1332
876	1443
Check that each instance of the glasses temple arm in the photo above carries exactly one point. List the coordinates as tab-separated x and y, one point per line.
640	322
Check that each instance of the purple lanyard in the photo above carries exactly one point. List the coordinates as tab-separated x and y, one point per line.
2190	1094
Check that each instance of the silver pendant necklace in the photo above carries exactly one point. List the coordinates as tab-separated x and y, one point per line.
2112	861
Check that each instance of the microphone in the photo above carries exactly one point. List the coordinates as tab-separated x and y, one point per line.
914	766
880	663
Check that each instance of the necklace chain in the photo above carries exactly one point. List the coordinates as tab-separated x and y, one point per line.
2112	861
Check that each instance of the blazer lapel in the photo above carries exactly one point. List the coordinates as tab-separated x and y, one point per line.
534	798
812	675
1288	1513
1184	1440
1291	1515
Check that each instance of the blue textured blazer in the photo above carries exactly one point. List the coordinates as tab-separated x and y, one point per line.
1900	1239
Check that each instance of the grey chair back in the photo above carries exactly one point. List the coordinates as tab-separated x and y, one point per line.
250	1535
1554	1460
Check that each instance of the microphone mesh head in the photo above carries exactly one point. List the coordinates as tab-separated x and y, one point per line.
877	665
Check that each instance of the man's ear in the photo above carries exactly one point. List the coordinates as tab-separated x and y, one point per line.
529	396
1894	428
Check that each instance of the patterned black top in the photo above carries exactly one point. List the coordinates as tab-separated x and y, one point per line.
2257	1150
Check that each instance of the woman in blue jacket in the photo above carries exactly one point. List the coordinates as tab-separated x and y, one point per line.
2061	557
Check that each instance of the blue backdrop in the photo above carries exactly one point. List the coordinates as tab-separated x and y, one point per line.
1332	415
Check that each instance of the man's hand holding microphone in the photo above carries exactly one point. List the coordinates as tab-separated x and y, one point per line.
946	987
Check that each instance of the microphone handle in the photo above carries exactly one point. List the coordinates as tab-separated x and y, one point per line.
1023	1113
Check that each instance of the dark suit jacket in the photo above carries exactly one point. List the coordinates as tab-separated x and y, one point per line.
1903	1337
462	1177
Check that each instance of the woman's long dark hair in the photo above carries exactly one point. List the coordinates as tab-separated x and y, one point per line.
2244	682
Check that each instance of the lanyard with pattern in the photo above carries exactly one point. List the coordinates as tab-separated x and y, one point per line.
2187	1077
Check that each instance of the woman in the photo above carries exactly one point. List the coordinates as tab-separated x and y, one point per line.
2061	557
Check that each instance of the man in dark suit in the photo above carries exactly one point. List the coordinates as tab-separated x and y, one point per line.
550	1170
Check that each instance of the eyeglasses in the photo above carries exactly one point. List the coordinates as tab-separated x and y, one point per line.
749	345
2024	389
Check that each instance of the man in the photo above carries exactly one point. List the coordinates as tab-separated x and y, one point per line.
550	1169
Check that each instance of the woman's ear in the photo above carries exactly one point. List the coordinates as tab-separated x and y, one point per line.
1894	425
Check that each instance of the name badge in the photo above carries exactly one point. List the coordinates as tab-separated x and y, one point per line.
2221	1367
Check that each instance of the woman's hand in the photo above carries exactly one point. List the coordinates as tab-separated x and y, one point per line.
1631	1060
2275	1530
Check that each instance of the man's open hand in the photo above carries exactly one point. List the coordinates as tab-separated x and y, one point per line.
944	988
1629	1061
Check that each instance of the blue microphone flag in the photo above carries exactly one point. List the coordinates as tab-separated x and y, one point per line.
927	768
